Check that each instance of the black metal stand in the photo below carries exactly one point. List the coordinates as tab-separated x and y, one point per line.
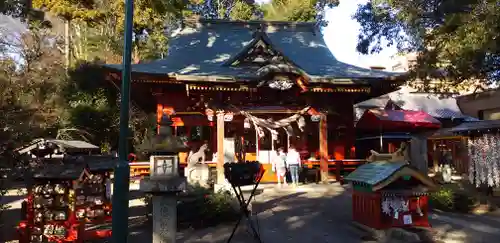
244	208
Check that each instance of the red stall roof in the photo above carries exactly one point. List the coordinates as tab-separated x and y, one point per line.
397	120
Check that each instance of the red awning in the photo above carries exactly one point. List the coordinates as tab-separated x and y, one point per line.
397	120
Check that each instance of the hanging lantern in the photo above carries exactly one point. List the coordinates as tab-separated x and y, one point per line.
228	117
210	114
246	123
274	136
315	118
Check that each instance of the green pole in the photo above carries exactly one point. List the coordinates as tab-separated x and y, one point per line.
122	169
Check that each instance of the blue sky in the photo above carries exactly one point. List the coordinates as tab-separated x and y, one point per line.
341	37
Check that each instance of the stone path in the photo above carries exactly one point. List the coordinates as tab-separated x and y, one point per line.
308	214
469	228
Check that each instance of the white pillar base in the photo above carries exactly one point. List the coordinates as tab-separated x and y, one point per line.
225	186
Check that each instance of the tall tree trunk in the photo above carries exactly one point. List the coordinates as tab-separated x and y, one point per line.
418	152
67	43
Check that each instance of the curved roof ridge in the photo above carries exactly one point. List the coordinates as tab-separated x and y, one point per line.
253	24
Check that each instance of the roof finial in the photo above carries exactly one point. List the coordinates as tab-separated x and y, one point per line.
258	31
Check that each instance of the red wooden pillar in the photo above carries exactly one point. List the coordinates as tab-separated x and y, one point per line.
323	148
350	133
213	137
220	147
159	113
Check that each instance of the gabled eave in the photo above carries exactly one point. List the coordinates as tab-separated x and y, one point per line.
259	35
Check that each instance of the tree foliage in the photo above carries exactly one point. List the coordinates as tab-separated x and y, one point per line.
71	9
298	10
226	9
458	39
29	91
14	8
290	10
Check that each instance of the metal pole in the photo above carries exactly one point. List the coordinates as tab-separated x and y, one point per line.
122	169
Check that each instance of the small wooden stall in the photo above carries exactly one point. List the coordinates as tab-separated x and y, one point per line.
93	198
395	125
49	212
390	194
444	141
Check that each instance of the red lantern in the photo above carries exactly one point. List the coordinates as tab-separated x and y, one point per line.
228	117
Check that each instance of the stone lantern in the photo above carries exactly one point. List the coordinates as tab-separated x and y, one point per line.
164	182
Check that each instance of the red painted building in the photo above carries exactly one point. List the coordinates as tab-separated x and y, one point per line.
218	70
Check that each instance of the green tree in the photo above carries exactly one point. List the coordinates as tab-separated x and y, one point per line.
30	85
290	10
459	38
71	10
242	10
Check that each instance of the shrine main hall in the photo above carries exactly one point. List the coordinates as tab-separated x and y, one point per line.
246	88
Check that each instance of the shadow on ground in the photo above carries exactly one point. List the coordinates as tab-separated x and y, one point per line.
320	213
282	216
455	227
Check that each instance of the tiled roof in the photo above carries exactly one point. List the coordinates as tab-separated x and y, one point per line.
73	144
61	172
477	125
443	132
432	104
204	50
375	172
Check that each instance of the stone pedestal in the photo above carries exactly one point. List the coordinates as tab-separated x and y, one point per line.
164	218
164	206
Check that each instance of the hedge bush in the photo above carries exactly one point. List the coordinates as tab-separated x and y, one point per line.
200	207
203	208
452	200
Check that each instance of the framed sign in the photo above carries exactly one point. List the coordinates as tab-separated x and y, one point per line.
407	219
163	167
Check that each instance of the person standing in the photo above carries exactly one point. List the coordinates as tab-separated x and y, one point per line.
279	166
293	162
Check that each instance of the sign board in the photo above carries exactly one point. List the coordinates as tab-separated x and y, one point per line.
407	219
163	167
